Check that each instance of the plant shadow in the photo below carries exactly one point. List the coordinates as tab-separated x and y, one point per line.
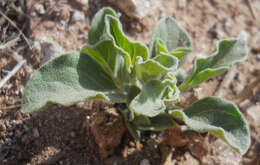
54	135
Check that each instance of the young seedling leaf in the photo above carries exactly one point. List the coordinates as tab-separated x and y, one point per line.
172	94
220	118
113	60
149	101
228	52
150	70
168	61
157	123
68	79
96	33
181	53
174	36
134	49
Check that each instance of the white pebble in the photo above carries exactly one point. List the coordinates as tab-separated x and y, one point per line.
78	16
145	162
39	8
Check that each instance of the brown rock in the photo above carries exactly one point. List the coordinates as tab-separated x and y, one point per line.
254	113
137	9
190	160
107	127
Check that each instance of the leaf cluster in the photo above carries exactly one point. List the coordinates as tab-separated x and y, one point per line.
117	69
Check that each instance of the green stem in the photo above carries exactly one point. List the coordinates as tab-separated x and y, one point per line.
184	86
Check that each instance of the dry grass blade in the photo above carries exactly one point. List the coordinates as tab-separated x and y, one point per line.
248	91
12	23
55	159
12	73
229	77
10	107
9	44
251	8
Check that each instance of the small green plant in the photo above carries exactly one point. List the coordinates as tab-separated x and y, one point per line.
114	68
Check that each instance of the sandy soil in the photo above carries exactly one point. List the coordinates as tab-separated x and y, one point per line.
73	135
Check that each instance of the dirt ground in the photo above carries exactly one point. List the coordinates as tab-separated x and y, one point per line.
31	30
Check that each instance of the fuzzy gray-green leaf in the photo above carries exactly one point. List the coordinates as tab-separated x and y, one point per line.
133	48
150	70
227	53
149	101
220	118
97	30
114	61
174	36
68	79
157	123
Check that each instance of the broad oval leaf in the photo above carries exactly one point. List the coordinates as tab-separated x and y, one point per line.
149	101
97	30
228	52
106	26
68	79
220	118
175	37
113	60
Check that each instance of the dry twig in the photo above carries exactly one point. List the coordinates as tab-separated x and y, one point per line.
229	77
20	32
251	8
11	107
54	159
12	73
11	43
248	91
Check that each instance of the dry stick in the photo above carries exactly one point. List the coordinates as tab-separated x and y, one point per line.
11	107
10	43
12	23
248	91
229	77
54	159
251	8
13	72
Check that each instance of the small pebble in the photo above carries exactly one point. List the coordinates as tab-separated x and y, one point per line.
132	144
63	23
24	139
2	126
73	134
87	117
182	3
78	16
39	8
238	88
49	50
10	134
8	141
26	128
83	2
18	133
145	162
254	113
36	133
